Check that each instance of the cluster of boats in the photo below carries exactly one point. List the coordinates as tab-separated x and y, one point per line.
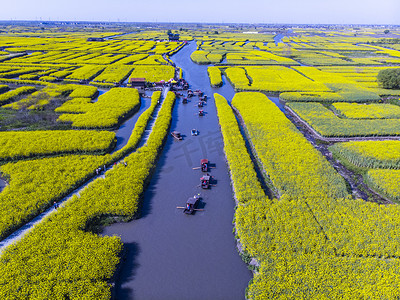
202	100
192	203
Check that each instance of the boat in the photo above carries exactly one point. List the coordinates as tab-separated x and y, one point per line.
198	92
205	181
204	165
204	98
194	132
191	204
177	135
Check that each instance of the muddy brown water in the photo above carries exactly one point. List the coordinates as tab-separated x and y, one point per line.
170	255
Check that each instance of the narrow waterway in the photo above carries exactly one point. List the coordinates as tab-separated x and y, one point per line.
278	38
170	255
280	104
122	134
101	92
3	184
124	131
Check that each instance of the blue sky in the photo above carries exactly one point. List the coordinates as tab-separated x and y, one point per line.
215	11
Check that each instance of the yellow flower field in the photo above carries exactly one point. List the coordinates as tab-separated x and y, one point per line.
326	123
370	111
107	112
80	261
370	154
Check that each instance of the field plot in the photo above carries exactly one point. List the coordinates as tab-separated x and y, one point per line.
370	154
36	181
215	76
296	155
258	58
245	183
272	79
13	95
42	97
117	74
86	72
111	108
65	232
385	181
152	60
342	68
36	184
154	73
370	111
77	59
327	124
301	232
379	162
15	145
341	88
299	221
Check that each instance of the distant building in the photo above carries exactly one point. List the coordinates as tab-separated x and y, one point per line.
93	39
173	36
137	82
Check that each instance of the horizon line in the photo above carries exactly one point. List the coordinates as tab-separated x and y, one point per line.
202	22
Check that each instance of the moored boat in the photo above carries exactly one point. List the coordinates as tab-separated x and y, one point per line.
191	204
205	181
177	135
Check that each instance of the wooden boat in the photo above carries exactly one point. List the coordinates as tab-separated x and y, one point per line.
204	165
177	135
204	98
194	132
198	92
191	204
205	181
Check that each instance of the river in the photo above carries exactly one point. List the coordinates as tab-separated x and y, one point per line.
170	255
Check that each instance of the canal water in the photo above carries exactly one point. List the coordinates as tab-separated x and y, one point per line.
170	255
122	135
3	184
124	132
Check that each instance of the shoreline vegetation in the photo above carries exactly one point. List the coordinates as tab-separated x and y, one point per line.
97	261
315	181
328	250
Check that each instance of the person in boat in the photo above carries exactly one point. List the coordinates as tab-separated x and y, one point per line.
188	206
